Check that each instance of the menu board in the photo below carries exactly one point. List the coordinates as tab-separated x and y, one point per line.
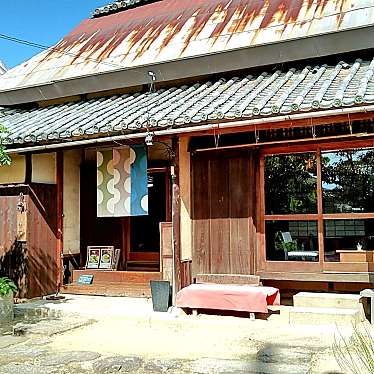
99	257
106	258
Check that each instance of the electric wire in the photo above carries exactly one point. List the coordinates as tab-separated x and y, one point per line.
54	49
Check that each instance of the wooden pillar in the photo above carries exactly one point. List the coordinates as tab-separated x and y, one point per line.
176	212
28	175
59	245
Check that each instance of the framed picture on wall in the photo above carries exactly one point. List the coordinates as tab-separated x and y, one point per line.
106	258
93	257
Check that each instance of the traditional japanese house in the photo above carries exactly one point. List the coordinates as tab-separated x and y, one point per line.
256	120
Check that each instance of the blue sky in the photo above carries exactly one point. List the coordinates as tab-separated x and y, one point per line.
40	21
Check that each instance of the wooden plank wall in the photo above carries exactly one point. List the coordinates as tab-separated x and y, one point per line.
41	239
30	264
224	210
12	253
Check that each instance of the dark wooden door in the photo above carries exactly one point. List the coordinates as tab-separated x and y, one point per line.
224	208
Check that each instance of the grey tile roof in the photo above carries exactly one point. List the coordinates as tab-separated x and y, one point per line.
116	6
269	94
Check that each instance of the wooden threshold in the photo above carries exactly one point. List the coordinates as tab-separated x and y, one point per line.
109	289
364	277
126	277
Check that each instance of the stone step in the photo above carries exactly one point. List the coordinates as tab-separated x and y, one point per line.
327	300
324	316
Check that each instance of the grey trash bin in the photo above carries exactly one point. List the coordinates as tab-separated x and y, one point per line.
161	295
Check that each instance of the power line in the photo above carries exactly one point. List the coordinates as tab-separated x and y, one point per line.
44	47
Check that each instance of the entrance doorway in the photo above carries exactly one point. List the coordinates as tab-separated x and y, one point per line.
138	238
144	248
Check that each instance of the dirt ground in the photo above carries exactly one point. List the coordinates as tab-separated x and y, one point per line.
109	335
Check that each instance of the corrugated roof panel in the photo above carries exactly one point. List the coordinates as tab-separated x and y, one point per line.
172	29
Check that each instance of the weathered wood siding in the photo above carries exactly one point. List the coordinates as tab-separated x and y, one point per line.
42	239
32	264
224	208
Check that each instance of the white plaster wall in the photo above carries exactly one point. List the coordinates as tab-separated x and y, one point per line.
14	173
44	168
71	201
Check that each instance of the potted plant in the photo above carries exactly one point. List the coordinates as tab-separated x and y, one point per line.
7	288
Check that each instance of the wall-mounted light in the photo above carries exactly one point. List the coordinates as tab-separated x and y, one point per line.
152	75
21	203
149	139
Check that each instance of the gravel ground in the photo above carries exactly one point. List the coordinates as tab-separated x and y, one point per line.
145	342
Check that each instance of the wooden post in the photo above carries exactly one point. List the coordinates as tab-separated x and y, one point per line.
176	220
59	245
28	174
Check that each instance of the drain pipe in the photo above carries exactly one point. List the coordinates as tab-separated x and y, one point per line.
199	128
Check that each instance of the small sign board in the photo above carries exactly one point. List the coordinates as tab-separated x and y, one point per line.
93	257
106	258
85	279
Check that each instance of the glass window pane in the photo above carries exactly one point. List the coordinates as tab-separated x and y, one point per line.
291	240
348	181
291	184
347	235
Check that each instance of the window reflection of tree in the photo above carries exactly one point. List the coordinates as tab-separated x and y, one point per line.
290	184
348	181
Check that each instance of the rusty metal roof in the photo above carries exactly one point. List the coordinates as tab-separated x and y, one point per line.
290	91
170	30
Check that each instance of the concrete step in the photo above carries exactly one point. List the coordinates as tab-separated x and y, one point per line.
327	300
324	316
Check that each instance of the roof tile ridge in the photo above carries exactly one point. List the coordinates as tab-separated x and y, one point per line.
360	95
170	105
262	82
42	118
295	106
316	103
339	95
85	108
202	114
278	85
134	116
194	108
239	93
180	116
165	119
300	78
232	86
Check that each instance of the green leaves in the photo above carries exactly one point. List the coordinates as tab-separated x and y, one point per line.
4	157
7	286
355	354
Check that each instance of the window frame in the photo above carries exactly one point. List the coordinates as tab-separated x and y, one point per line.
320	217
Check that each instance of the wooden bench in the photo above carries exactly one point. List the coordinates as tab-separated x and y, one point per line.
209	289
250	280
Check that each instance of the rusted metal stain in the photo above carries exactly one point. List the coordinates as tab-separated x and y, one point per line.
174	29
99	38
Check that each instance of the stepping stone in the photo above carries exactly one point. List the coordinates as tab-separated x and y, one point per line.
117	364
65	358
14	368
